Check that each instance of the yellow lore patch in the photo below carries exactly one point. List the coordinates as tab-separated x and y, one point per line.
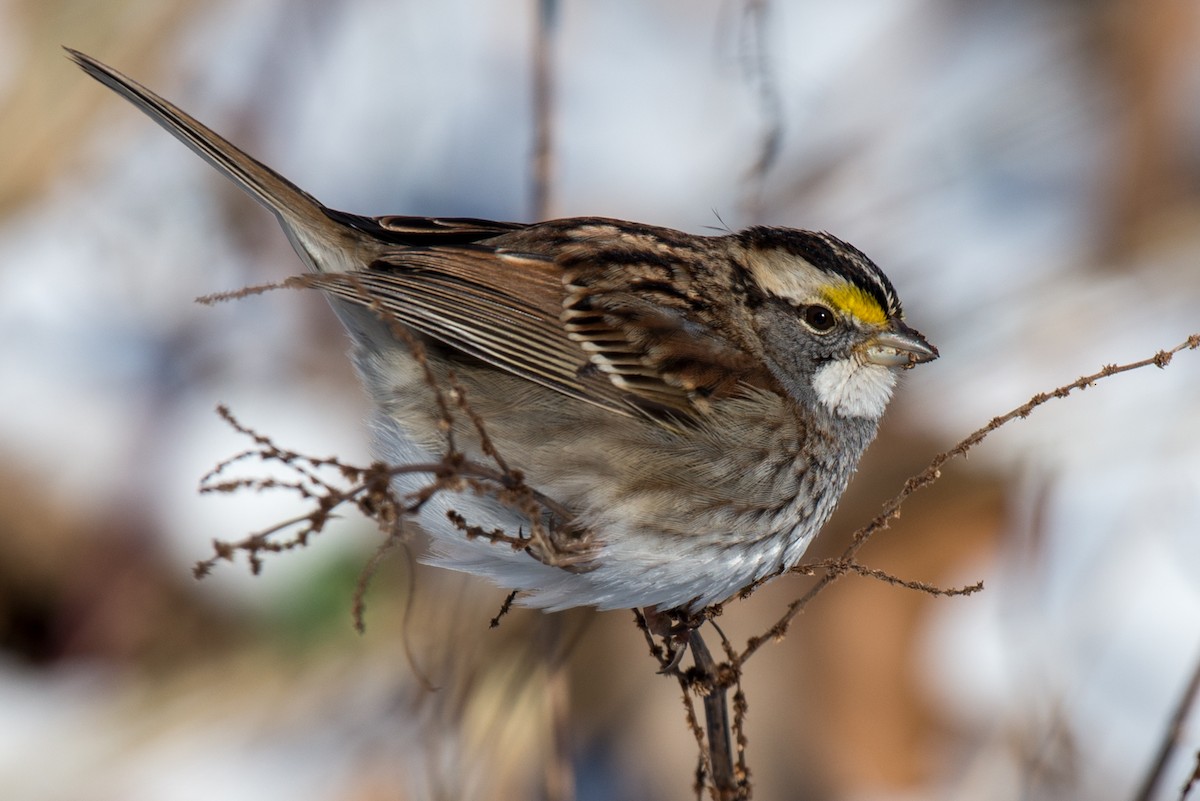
850	300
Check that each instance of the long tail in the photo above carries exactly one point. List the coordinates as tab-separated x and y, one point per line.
300	213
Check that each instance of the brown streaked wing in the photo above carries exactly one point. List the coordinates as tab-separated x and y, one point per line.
500	307
651	330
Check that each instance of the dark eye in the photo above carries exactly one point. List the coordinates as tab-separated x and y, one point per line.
819	318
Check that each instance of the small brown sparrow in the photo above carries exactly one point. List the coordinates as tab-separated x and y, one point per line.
695	405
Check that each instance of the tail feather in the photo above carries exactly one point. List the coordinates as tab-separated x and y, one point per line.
298	211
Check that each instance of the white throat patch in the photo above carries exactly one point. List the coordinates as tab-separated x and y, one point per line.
850	388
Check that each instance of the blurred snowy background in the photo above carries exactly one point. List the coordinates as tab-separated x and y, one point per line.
1028	174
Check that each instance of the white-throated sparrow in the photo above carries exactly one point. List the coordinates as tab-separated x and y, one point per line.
695	405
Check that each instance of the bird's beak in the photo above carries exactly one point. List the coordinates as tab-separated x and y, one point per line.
899	346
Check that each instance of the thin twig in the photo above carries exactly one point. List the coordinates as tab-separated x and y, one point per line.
367	574
740	707
841	566
891	510
756	61
546	26
704	764
716	716
505	608
1171	738
657	651
371	493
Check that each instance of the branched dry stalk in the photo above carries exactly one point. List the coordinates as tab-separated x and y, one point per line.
367	489
330	484
847	563
370	491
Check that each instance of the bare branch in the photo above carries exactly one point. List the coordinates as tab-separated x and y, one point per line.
543	107
756	63
1171	739
891	510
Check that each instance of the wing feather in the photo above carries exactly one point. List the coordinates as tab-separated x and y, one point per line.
607	319
498	307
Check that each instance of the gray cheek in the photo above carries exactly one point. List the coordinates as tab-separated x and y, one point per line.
793	353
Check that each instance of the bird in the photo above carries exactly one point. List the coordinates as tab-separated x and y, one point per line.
690	407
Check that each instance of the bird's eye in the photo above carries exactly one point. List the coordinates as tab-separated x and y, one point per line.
819	318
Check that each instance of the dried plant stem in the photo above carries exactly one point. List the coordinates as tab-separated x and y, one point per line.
716	717
369	490
543	108
891	510
932	473
1171	739
732	677
757	65
728	780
